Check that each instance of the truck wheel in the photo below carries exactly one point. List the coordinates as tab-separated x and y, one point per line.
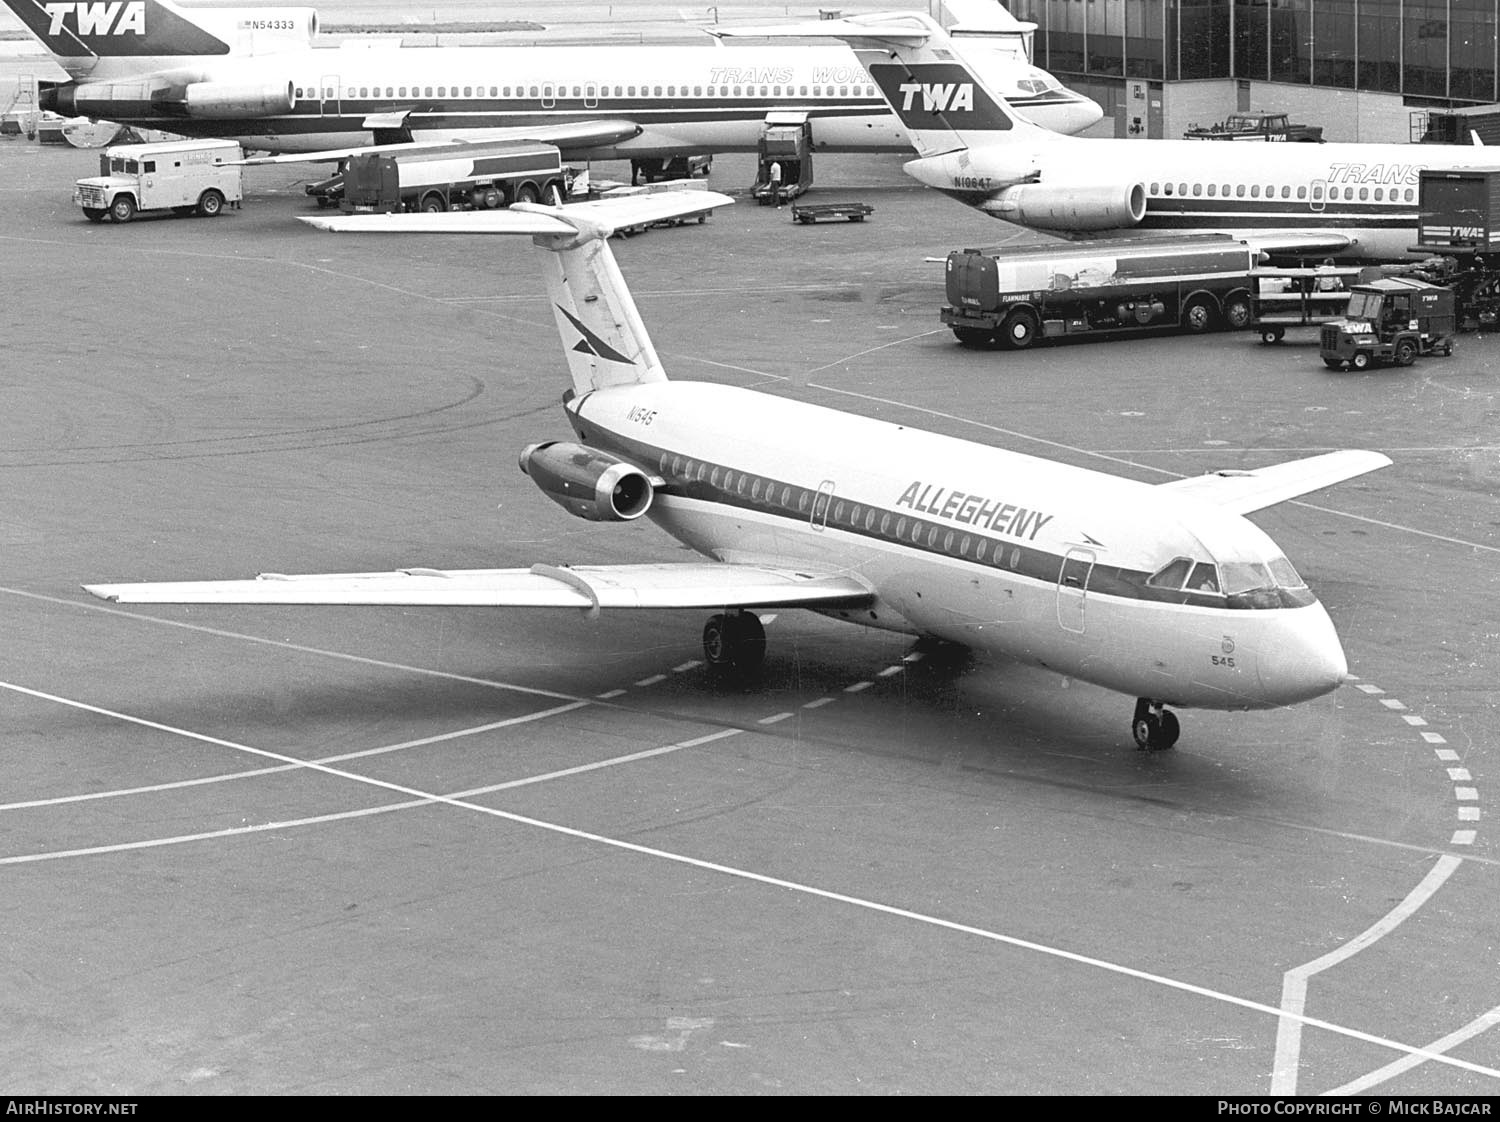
95	213
972	336
433	204
1406	352
1237	314
1198	316
1275	335
526	193
1360	360
1019	331
210	203
122	209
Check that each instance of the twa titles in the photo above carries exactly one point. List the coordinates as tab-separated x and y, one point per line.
110	18
785	75
974	510
1405	174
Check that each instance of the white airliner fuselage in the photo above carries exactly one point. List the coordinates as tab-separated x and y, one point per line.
1350	201
1164	592
253	74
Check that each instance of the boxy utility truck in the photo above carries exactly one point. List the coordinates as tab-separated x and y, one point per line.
184	176
1389	321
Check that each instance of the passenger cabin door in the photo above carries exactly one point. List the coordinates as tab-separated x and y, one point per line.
1317	197
591	96
1072	589
549	96
330	96
821	502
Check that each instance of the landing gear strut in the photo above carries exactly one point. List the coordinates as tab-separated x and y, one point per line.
734	641
1154	728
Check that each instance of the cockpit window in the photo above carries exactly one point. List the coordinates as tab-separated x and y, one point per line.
1286	576
1243	576
1172	574
1205	578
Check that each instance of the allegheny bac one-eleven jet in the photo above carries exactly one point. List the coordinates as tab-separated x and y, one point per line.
1165	593
1349	201
256	76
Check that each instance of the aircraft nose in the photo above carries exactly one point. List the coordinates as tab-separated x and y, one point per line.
1304	659
1082	114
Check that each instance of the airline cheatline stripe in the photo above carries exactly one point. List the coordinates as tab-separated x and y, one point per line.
591	344
952	531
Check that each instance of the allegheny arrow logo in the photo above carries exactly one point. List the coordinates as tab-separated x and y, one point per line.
591	344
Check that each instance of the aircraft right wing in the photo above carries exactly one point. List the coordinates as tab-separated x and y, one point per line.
570	135
587	587
1246	491
531	218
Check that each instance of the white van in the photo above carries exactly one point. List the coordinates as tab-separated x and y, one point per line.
185	176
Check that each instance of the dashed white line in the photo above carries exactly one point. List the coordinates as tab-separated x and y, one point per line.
652	680
682	668
819	703
1392	703
858	686
1447	755
774	718
1414	720
890	671
1368	688
1463	837
1460	773
1468	814
607	694
1466	794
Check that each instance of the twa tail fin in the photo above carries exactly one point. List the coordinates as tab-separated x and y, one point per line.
942	100
79	32
605	341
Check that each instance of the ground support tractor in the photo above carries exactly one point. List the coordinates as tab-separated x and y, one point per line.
1389	322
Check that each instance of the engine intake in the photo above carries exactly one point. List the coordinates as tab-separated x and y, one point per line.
586	482
1042	206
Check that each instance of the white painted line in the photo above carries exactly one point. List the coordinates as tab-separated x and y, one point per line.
1294	981
1370	688
914	656
686	666
819	703
858	686
651	681
1414	721
1392	703
1406	1063
1460	773
419	797
891	671
1466	794
607	694
1463	837
774	718
1447	755
1434	738
261	771
1468	814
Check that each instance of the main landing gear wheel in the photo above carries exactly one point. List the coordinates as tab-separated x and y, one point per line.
734	641
1154	728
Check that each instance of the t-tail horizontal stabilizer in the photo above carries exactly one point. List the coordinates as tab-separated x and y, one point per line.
603	337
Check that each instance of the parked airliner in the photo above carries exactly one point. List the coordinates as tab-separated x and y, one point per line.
1349	201
256	75
1163	592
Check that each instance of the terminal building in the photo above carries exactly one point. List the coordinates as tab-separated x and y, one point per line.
1365	70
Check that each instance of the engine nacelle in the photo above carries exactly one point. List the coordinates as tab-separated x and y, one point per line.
1046	206
237	99
587	482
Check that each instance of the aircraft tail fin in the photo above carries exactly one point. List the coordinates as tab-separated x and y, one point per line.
603	337
941	99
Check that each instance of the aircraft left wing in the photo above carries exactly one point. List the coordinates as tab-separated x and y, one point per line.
1246	491
569	134
588	587
531	218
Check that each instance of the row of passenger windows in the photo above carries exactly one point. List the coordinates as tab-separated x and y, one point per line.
825	509
591	92
1255	191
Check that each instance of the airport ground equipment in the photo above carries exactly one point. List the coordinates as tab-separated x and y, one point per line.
1459	227
808	213
184	176
1456	126
479	176
1301	297
1390	321
1015	296
1262	127
786	141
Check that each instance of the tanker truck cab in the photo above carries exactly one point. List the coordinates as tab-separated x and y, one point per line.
184	176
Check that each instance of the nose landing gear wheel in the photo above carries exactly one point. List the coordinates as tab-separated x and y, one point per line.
1154	728
734	642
